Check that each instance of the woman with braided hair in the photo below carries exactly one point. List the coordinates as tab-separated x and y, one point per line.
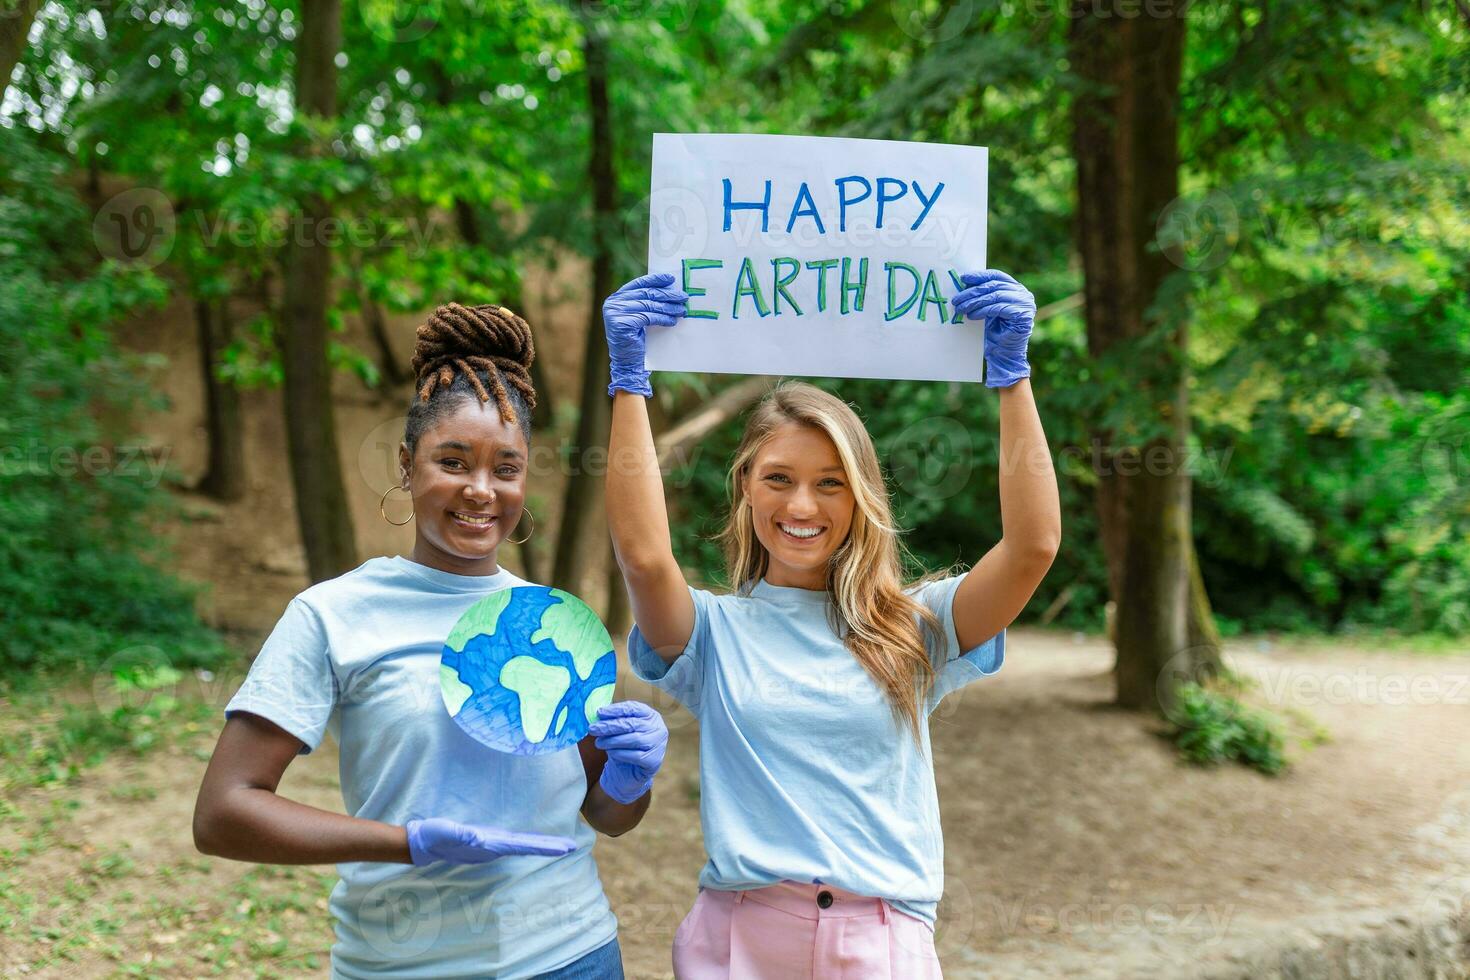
457	860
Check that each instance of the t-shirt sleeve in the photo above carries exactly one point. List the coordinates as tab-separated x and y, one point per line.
953	667
684	678
291	682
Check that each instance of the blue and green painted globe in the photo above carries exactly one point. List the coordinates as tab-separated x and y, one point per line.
525	670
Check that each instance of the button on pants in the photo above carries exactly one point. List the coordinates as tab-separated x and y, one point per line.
801	932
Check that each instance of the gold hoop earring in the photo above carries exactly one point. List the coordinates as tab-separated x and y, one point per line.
526	511
384	500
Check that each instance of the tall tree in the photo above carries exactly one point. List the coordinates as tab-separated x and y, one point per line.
15	27
316	471
224	473
581	554
1125	142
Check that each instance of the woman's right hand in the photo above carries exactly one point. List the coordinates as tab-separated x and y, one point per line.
440	839
626	315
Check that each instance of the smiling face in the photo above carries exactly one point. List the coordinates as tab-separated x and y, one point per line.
801	504
468	481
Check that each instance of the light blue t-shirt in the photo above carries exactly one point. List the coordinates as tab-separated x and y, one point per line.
358	656
805	772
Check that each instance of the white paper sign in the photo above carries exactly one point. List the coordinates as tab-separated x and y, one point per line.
828	257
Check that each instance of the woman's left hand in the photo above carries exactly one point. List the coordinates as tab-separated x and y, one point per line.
650	300
634	737
1009	310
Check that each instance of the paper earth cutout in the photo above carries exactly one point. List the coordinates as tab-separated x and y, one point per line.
525	670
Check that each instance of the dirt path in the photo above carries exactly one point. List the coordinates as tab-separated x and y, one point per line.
1080	846
1077	844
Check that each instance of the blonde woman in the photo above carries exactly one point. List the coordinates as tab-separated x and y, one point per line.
812	682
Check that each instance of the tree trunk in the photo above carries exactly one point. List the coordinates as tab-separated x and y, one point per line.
581	544
316	468
1204	635
393	372
468	223
1125	132
224	475
467	220
15	28
619	615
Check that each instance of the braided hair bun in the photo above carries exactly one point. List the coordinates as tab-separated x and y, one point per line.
471	352
472	339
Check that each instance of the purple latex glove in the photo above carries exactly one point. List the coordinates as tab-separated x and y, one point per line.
634	737
626	316
1009	310
439	839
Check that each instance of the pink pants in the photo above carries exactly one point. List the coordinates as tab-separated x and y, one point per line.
801	932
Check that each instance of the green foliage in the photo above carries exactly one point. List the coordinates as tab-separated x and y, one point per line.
135	710
79	497
1328	324
1329	331
1211	727
1331	346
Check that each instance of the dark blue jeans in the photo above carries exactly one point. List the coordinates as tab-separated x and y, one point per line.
603	963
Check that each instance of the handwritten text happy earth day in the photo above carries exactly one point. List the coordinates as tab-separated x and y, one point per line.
857	263
852	277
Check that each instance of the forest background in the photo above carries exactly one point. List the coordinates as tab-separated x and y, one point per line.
1246	227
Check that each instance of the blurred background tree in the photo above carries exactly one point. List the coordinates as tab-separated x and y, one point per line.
1316	248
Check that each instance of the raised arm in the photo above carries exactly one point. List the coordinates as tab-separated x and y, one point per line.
995	591
636	515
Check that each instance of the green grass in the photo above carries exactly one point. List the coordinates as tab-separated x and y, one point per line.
53	736
108	904
1211	725
1365	640
271	923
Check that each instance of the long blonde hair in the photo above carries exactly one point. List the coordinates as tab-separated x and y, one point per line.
864	574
